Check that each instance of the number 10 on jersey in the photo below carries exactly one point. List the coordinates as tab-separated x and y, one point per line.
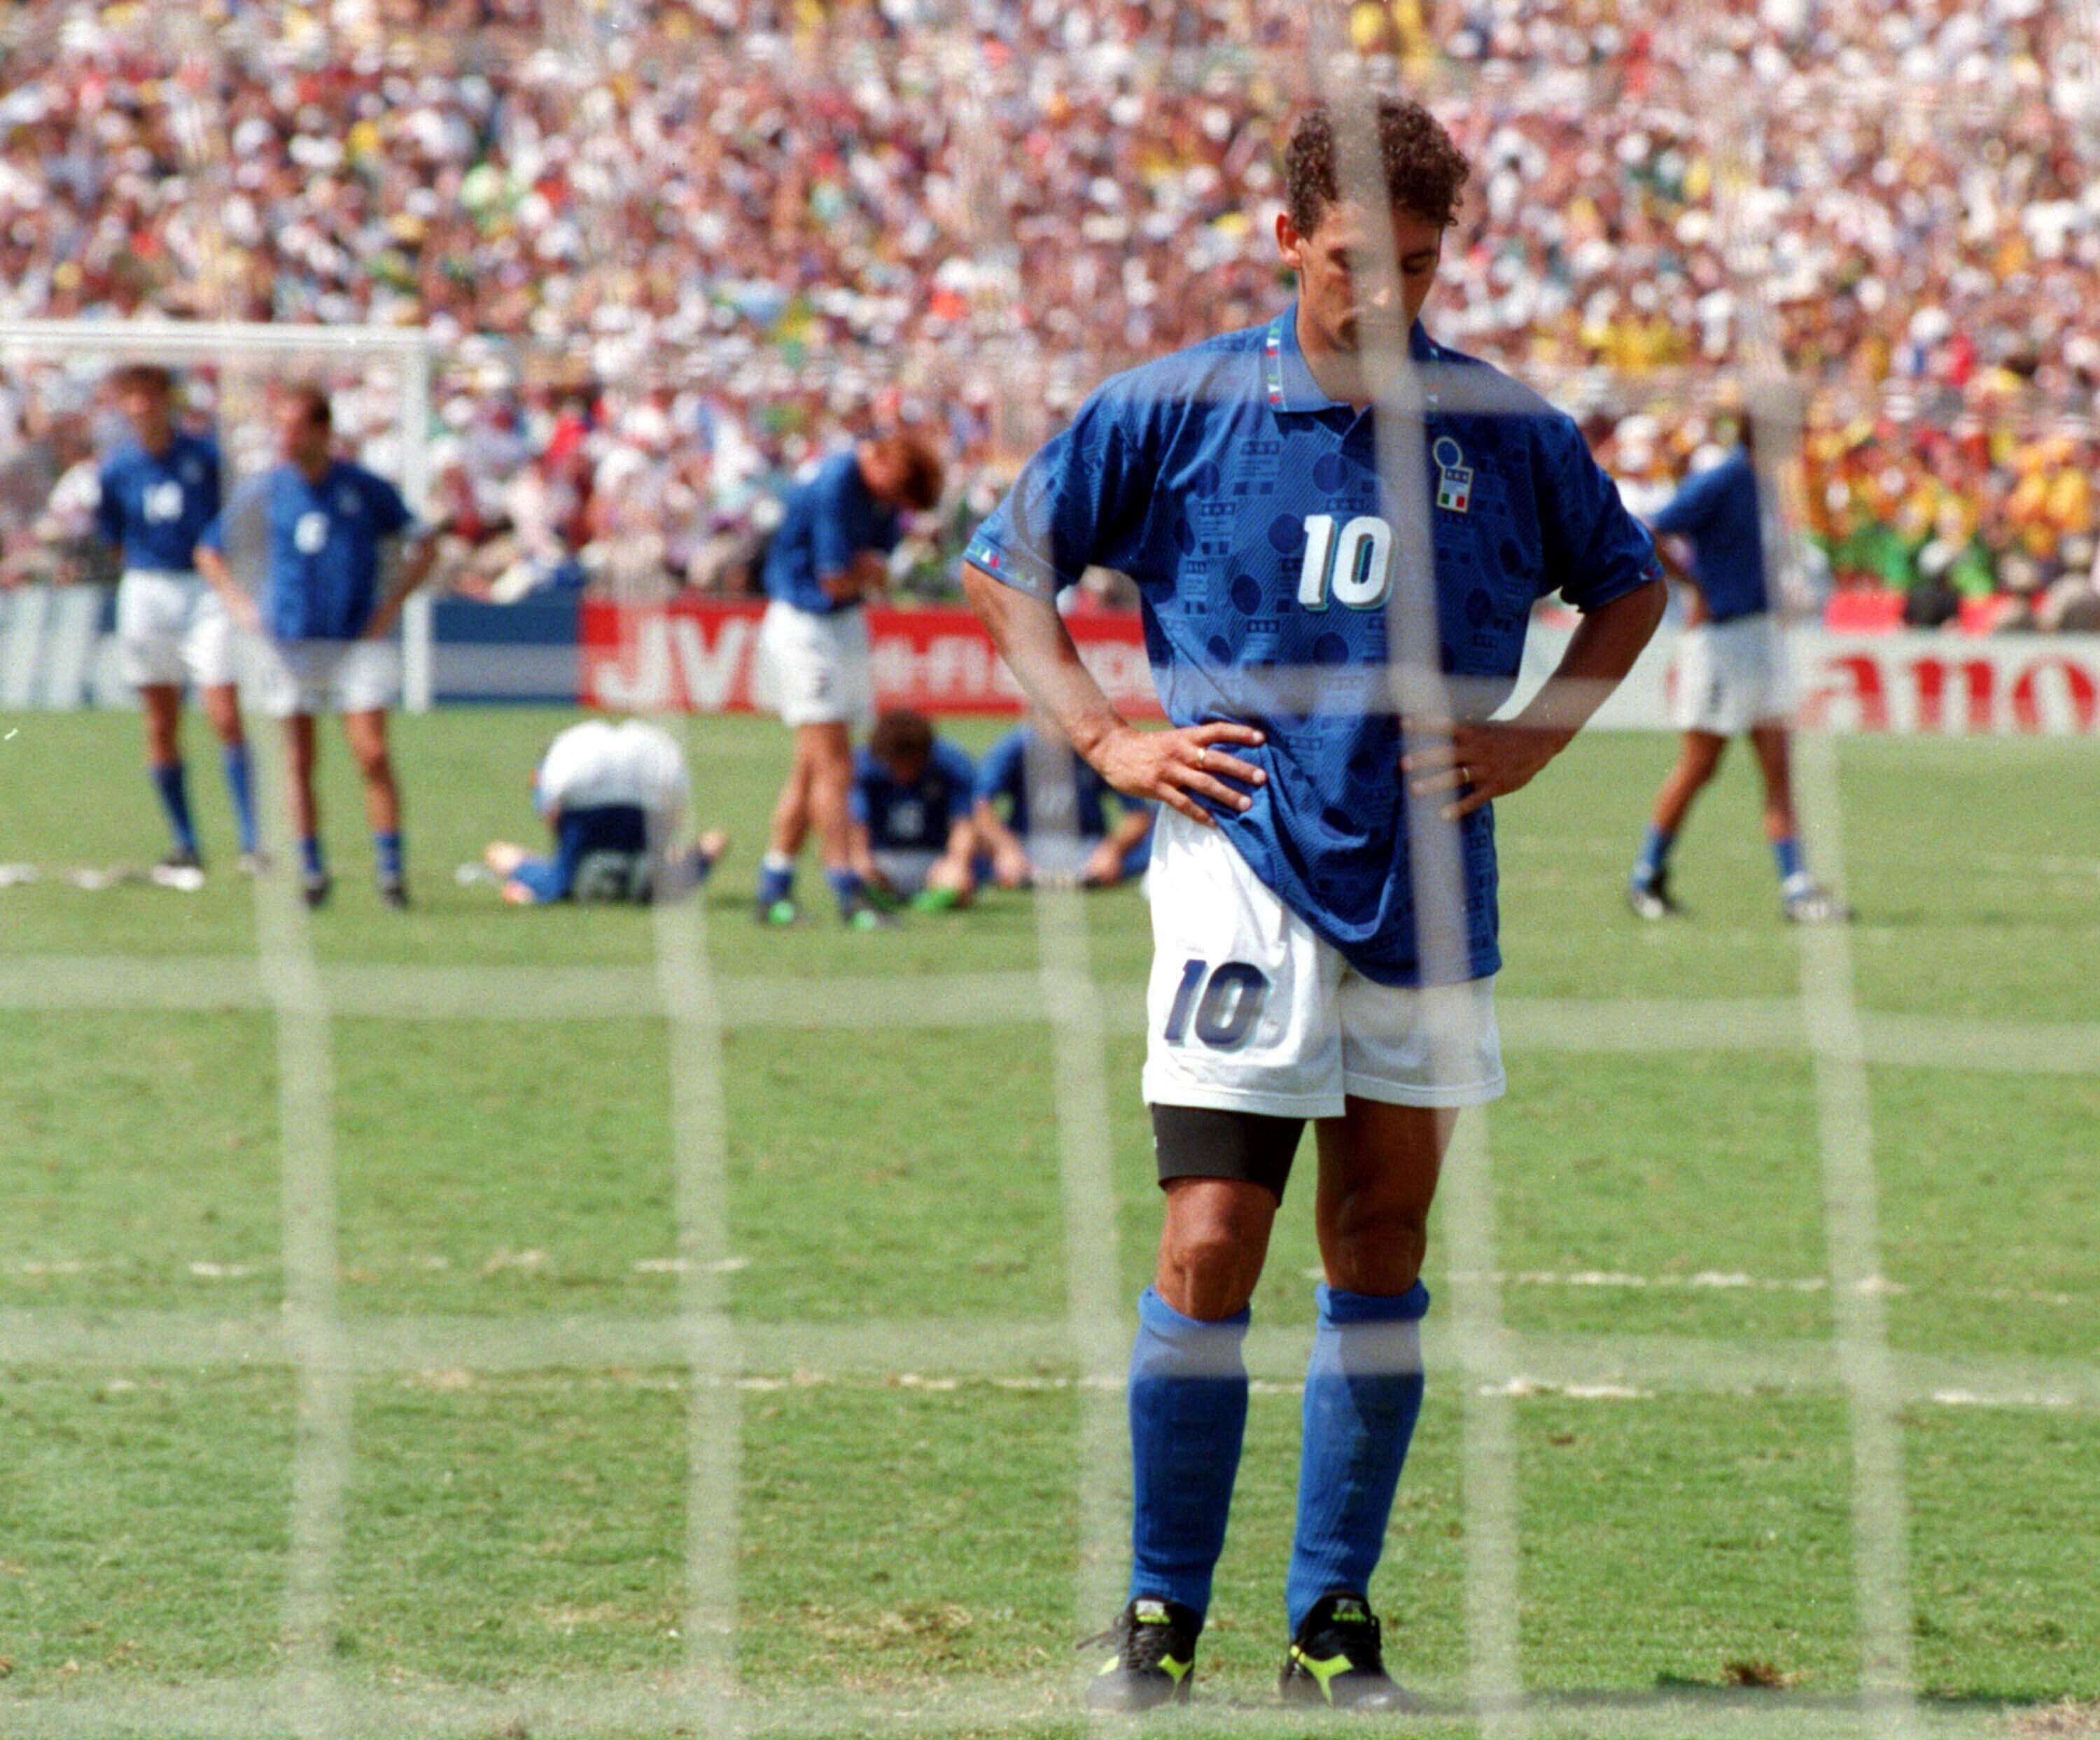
1352	566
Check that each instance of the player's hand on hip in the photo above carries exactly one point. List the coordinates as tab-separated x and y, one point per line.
1477	763
1177	767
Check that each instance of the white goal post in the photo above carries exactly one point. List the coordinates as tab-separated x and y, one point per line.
405	350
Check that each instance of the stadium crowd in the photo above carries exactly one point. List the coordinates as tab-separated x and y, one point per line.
743	215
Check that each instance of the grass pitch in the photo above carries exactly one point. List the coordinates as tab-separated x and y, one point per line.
512	1556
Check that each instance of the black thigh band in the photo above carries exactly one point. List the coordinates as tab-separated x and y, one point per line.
1200	1141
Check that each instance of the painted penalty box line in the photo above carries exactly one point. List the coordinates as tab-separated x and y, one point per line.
85	983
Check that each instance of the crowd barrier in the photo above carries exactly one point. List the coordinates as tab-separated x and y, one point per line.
57	650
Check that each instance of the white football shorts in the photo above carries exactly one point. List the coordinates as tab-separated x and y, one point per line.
905	868
1249	1011
1731	675
173	628
323	676
814	670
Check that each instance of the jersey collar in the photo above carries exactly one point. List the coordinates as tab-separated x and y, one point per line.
1287	380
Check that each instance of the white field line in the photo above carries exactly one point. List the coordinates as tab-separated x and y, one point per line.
699	1127
409	992
636	1705
1096	1339
1880	1511
313	1327
939	1352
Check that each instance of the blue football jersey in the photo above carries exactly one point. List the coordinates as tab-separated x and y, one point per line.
917	816
1716	511
828	520
323	544
1246	506
156	506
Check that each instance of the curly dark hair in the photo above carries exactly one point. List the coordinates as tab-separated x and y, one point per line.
1424	172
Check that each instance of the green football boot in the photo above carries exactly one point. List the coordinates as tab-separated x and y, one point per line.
1155	1657
1337	1661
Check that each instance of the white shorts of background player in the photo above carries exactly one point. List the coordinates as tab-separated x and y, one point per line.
1731	675
815	670
173	628
328	676
1249	1010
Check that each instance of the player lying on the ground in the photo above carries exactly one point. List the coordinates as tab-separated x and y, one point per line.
321	527
1291	977
912	836
159	491
614	798
1053	830
1733	678
823	565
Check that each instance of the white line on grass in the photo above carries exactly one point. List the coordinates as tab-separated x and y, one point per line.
314	1329
1881	1513
699	1127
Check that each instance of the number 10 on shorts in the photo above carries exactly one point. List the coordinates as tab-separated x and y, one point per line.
1226	1004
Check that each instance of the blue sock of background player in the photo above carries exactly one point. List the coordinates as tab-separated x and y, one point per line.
851	891
386	856
1363	1394
1188	1418
240	787
169	783
776	878
1654	857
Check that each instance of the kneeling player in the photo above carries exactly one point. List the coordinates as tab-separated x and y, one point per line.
614	798
325	526
1043	781
912	837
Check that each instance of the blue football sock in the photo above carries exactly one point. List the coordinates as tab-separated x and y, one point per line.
847	885
1654	856
776	878
701	864
1363	1392
168	780
1188	1416
240	787
310	855
386	856
1786	854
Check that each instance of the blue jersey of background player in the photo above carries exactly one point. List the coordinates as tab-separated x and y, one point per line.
910	808
1011	827
159	491
155	505
322	527
1238	484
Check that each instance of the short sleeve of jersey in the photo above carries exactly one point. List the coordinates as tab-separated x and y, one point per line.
962	774
1000	772
389	513
1689	512
1595	551
1076	503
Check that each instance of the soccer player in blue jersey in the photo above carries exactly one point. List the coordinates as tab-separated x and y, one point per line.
323	528
1238	484
1733	678
824	561
613	796
1041	781
159	491
912	836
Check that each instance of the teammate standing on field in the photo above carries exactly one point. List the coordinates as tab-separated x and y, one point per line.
1733	678
159	492
322	527
1237	483
824	561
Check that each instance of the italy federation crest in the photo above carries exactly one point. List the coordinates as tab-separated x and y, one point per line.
1454	478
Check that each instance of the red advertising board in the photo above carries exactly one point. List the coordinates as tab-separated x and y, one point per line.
703	658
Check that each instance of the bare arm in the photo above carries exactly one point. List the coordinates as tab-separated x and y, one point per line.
863	575
213	566
1165	766
1105	863
1486	761
422	557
